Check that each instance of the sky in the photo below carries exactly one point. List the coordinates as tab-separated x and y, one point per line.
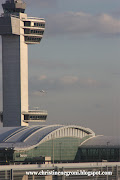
77	63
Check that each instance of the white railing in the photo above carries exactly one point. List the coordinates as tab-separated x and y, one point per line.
35	111
36	18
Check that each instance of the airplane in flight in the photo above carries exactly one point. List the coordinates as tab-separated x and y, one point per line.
42	91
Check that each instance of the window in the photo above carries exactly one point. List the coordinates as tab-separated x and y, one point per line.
27	23
32	39
39	25
27	31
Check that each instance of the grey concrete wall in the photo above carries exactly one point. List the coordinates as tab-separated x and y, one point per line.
11	80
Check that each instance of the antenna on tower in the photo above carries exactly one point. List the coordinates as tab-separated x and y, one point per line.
14	6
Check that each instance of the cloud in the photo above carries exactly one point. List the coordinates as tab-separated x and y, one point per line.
69	79
88	82
61	83
92	83
42	77
82	82
38	93
82	23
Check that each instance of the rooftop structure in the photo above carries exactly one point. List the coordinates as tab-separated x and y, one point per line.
99	148
102	142
17	31
59	142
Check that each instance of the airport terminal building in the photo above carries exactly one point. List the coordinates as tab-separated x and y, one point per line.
59	143
55	144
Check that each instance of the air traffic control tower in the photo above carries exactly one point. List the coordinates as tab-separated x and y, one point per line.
18	31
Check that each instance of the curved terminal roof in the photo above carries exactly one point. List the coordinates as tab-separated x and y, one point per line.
31	136
101	142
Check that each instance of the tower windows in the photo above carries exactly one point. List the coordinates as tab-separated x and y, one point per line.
27	23
32	117
37	32
32	39
39	25
30	24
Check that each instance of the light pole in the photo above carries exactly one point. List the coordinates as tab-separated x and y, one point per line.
53	147
60	151
107	150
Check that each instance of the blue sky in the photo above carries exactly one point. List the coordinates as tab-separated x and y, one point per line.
77	62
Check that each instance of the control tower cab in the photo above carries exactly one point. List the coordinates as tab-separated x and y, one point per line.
17	31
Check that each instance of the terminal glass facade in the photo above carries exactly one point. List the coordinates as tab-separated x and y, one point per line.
59	149
98	154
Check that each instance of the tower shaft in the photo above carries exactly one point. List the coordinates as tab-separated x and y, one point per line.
15	79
